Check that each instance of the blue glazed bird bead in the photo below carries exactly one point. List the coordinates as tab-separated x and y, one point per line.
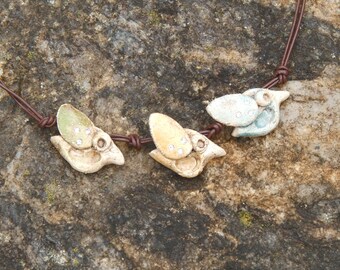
256	112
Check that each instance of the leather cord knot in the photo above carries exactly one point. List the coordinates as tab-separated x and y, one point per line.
282	73
214	129
135	141
47	122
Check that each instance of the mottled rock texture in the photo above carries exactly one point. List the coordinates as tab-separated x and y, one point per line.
270	203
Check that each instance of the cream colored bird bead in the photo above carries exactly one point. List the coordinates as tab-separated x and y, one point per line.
184	151
86	147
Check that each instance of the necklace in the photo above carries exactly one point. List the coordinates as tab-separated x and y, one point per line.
255	112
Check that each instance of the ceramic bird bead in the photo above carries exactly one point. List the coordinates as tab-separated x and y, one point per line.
256	112
184	151
86	147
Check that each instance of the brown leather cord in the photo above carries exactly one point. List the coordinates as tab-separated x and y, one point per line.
134	140
282	72
45	122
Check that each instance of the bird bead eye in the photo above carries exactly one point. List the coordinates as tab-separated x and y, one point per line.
263	98
101	141
199	143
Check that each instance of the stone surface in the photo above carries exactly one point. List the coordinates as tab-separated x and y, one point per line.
270	203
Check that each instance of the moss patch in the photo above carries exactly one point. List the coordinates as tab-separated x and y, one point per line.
51	190
246	219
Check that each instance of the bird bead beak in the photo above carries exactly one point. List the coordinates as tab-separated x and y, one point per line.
213	151
115	156
280	96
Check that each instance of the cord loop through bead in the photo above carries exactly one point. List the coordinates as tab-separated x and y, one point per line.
214	129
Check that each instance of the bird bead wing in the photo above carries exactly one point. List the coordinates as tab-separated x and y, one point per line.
233	110
75	127
169	136
264	123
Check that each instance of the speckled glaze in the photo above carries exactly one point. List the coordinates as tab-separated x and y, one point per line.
256	112
170	139
86	147
75	127
233	110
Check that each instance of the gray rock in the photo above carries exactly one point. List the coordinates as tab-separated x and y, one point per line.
270	203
